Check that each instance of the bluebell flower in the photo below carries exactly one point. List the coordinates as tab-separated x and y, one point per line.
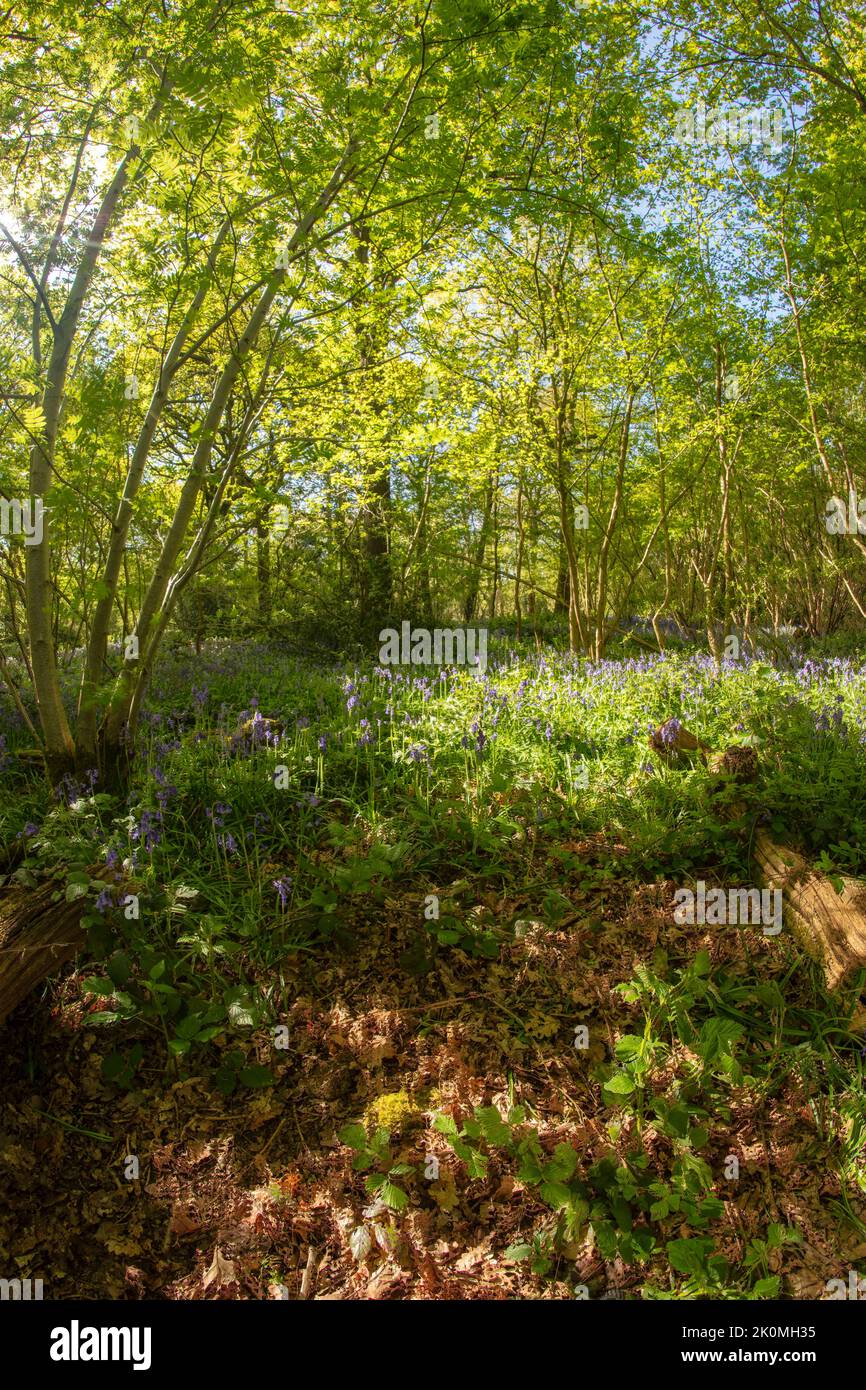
284	889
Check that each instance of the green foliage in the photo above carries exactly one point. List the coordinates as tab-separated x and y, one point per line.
375	1152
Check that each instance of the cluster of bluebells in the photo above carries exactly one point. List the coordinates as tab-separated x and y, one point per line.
147	830
669	732
559	700
476	738
226	841
105	902
831	719
69	789
166	791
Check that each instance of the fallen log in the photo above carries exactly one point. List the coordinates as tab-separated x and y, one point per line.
37	935
830	926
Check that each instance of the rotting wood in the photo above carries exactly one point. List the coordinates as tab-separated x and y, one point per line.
829	925
38	935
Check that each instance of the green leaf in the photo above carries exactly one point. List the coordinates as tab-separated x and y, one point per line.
243	1010
119	968
620	1084
393	1196
445	1124
476	1164
688	1256
563	1163
93	985
225	1080
256	1076
767	1288
493	1127
354	1135
555	1194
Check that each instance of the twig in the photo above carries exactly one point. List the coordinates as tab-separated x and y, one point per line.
309	1273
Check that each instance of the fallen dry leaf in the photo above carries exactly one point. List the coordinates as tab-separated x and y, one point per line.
221	1272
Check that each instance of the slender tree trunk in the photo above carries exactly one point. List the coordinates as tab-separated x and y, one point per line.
59	745
518	569
98	644
470	605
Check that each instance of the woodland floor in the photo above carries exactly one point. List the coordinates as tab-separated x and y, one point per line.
236	1192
